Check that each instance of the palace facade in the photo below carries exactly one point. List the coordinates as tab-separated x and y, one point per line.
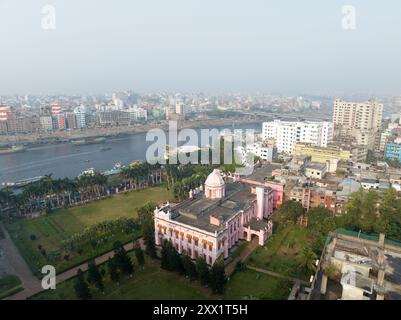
216	217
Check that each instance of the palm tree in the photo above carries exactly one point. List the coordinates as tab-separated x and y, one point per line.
126	174
8	201
306	260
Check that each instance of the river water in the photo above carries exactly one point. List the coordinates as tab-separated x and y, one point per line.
68	160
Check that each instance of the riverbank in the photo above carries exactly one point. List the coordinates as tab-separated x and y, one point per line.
58	137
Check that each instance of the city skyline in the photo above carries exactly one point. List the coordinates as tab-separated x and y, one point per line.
285	47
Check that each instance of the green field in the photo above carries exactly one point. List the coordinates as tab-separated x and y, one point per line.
151	282
280	253
50	230
250	284
9	285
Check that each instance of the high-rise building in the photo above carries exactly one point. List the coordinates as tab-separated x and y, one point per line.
288	133
356	115
71	120
80	114
396	102
179	105
46	123
60	121
55	109
179	109
3	127
362	121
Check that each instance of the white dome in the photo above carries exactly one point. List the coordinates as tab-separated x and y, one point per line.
214	180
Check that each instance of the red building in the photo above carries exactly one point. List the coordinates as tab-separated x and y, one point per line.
56	109
6	113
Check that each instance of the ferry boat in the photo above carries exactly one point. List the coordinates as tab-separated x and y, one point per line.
12	149
22	183
88	141
88	172
115	170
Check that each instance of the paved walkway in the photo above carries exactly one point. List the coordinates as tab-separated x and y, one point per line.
244	254
30	283
277	275
33	286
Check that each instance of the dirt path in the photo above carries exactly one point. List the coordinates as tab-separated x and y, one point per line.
35	287
277	275
251	246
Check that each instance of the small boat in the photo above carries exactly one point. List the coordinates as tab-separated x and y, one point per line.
87	161
115	170
88	172
105	149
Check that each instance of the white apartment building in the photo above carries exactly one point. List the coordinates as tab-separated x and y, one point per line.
80	114
258	149
137	113
356	115
180	109
361	120
46	123
288	133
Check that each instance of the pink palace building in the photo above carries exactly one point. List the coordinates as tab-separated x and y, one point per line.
216	217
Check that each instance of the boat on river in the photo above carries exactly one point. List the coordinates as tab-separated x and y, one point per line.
12	149
88	141
22	183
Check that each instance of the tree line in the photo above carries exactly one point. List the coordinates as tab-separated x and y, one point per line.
49	194
370	212
118	266
214	277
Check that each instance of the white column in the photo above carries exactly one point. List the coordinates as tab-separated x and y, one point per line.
260	197
157	239
248	234
323	286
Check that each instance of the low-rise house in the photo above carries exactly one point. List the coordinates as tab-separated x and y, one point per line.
370	184
355	266
315	170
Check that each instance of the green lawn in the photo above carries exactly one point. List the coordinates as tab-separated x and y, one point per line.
50	230
9	285
123	205
151	282
280	252
154	283
254	285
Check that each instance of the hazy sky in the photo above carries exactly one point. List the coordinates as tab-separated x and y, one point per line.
281	46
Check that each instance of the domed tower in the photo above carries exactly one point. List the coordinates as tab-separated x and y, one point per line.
215	186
